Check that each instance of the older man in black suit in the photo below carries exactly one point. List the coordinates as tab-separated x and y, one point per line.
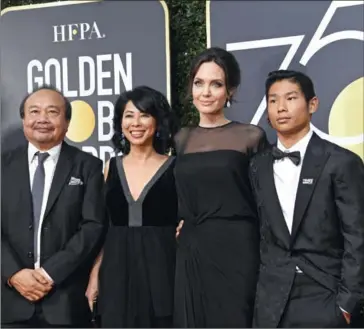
52	219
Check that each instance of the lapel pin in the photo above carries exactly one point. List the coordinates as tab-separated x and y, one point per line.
307	181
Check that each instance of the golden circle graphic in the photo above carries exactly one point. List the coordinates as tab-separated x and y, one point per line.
82	122
347	115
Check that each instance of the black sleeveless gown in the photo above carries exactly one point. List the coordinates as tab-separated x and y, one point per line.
138	267
218	247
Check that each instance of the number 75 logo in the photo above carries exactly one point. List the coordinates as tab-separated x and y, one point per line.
315	45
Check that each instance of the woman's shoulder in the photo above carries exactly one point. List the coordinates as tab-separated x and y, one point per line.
248	128
109	166
169	162
251	136
181	137
167	159
183	132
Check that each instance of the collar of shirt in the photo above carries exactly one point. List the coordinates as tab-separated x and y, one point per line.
54	152
300	146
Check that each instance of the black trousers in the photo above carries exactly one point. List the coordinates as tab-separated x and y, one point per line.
357	319
38	321
311	305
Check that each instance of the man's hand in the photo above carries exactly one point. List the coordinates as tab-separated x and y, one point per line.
42	277
179	228
26	282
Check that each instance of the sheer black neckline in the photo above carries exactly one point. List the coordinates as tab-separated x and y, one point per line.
233	135
216	127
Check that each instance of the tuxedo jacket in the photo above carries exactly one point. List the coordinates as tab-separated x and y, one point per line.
327	239
72	233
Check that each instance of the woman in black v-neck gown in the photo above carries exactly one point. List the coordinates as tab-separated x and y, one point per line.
137	271
218	250
136	277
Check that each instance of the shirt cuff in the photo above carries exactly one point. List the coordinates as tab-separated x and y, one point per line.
344	310
46	275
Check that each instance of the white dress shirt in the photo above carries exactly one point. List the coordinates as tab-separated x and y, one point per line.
286	178
49	168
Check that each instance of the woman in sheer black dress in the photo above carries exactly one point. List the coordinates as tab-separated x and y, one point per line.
218	241
135	282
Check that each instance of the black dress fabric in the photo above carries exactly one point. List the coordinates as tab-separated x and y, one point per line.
138	267
218	247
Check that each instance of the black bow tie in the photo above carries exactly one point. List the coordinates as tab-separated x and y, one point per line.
295	157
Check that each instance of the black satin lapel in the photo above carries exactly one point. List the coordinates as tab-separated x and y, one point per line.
313	163
61	174
272	204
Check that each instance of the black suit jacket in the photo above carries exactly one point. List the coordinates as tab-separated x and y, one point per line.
72	233
327	240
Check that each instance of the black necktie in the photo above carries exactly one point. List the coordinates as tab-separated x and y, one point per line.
295	156
37	194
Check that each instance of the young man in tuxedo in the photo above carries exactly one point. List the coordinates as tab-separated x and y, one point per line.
310	199
52	220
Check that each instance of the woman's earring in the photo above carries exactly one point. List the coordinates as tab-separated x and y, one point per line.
122	140
157	134
228	103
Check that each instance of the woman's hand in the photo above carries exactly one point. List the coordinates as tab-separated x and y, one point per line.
92	289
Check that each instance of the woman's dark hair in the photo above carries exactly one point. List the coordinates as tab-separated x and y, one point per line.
151	101
222	58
